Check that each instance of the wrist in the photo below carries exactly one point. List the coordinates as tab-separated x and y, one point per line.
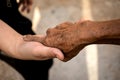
88	32
97	30
14	49
108	32
107	29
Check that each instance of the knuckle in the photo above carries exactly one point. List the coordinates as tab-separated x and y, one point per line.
49	31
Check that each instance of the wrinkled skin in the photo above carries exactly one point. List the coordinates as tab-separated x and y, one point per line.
68	37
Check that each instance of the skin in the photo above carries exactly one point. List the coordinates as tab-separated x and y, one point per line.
26	5
73	37
13	45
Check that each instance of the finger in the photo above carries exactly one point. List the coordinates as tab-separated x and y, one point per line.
29	5
58	54
29	2
20	2
24	5
38	38
63	25
59	27
48	53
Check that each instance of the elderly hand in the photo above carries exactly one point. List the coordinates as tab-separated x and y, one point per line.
68	37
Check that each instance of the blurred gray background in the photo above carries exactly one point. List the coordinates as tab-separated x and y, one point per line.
95	62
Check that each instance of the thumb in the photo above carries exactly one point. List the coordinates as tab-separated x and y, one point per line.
58	53
53	53
44	53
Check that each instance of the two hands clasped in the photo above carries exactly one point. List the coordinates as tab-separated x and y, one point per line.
66	40
63	41
71	38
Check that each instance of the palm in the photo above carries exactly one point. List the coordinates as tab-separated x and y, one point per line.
33	50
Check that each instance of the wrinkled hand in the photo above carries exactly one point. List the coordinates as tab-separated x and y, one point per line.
26	5
68	37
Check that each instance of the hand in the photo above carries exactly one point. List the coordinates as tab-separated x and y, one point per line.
68	37
26	5
13	45
36	51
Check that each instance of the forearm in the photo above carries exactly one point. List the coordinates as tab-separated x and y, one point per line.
8	38
106	32
107	29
